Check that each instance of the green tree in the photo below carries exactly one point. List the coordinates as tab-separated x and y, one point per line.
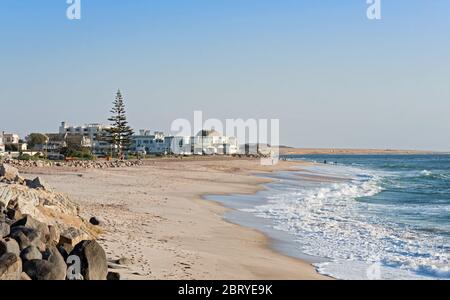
120	134
11	148
36	139
77	152
74	149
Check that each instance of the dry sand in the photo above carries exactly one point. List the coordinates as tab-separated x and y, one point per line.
155	215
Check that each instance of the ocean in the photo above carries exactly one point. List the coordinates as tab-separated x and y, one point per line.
358	216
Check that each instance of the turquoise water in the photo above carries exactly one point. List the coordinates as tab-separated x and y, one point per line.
415	189
376	217
357	217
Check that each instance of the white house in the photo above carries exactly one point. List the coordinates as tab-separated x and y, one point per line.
148	143
212	142
13	140
94	132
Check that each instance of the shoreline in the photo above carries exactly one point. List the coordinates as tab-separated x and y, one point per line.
343	151
157	215
269	241
276	240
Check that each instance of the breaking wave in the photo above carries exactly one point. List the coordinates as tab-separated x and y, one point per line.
339	222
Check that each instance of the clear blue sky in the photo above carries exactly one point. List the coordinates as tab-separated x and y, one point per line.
332	77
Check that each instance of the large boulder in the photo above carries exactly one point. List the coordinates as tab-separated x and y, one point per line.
30	253
43	270
27	237
93	260
37	183
4	229
8	172
9	245
14	214
29	222
10	267
113	276
96	221
52	255
21	239
20	198
52	267
64	250
35	202
72	236
24	277
53	237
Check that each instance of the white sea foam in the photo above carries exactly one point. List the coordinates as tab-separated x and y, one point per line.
328	221
363	270
426	173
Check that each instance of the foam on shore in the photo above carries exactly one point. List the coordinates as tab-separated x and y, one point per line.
325	219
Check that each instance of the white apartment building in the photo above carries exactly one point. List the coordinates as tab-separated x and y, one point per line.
207	142
148	143
94	132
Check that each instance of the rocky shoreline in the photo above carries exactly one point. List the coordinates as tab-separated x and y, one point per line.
84	164
43	237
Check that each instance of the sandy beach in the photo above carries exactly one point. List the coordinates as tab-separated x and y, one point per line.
155	215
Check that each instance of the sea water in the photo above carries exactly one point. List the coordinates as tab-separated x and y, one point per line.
359	217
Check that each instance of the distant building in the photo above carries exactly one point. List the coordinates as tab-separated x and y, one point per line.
78	140
207	142
2	145
180	145
212	142
148	143
53	146
11	138
13	143
55	143
95	133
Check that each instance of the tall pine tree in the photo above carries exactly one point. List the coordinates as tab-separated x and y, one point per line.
120	134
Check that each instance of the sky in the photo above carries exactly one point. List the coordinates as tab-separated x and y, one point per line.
331	76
